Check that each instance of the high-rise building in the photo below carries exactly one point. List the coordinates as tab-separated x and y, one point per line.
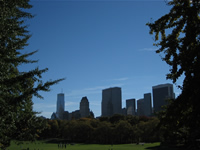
124	111
161	93
140	107
111	101
84	107
60	105
130	106
147	104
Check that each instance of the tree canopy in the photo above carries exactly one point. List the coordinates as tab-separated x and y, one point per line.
180	46
89	130
17	118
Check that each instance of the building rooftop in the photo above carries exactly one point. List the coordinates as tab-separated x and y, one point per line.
162	85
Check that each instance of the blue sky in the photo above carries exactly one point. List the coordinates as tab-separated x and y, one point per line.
95	45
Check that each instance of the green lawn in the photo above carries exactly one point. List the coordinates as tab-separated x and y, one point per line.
52	146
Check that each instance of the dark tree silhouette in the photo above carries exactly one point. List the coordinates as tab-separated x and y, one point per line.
17	118
180	46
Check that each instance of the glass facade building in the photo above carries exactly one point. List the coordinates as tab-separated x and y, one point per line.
60	105
111	101
161	93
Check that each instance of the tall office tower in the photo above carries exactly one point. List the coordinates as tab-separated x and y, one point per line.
147	104
84	107
140	107
111	101
161	93
130	106
60	105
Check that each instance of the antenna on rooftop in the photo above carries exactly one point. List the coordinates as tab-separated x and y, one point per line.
62	90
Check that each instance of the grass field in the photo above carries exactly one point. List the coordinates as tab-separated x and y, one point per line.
52	146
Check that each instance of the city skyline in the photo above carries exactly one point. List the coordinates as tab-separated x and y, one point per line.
111	103
95	45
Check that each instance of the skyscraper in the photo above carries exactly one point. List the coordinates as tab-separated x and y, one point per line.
161	93
140	107
84	107
111	101
60	105
147	104
130	106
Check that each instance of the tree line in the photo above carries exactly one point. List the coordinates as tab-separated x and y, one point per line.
117	129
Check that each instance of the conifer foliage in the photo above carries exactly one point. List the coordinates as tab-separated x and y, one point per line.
17	118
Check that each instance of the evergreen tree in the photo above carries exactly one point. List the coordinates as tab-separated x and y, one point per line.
180	46
17	118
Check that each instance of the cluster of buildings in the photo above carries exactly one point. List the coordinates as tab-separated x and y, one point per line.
112	103
84	110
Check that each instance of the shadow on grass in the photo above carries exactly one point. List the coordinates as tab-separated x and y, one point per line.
166	148
57	141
